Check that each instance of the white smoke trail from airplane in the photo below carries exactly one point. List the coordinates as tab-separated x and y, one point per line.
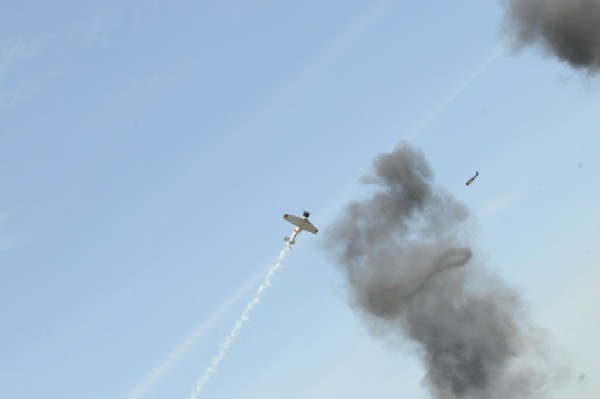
234	333
184	346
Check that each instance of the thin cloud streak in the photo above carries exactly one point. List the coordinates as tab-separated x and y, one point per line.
11	53
6	243
464	85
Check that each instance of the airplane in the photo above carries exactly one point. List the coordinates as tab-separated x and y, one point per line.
301	223
472	178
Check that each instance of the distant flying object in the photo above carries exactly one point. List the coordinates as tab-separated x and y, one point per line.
301	223
472	178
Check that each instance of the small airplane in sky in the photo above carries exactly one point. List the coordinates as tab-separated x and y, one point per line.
472	178
301	223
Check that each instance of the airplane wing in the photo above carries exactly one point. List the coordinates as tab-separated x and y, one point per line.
301	223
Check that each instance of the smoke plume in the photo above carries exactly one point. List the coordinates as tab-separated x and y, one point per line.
411	274
568	29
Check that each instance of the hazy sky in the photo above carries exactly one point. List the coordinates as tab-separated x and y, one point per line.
149	149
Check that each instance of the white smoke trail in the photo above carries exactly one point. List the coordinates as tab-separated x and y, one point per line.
233	334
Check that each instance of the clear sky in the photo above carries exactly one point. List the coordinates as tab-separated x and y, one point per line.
148	150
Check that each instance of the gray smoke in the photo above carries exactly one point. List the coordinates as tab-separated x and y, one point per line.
568	29
411	275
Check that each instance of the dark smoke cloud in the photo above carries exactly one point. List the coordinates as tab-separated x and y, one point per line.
568	29
411	275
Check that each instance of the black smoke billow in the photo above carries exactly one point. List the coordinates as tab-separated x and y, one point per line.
568	29
411	275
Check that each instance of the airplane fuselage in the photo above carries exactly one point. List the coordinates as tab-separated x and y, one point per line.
291	240
300	224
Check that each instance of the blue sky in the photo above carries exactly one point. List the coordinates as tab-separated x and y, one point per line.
148	150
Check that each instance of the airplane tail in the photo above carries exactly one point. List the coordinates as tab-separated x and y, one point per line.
289	241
